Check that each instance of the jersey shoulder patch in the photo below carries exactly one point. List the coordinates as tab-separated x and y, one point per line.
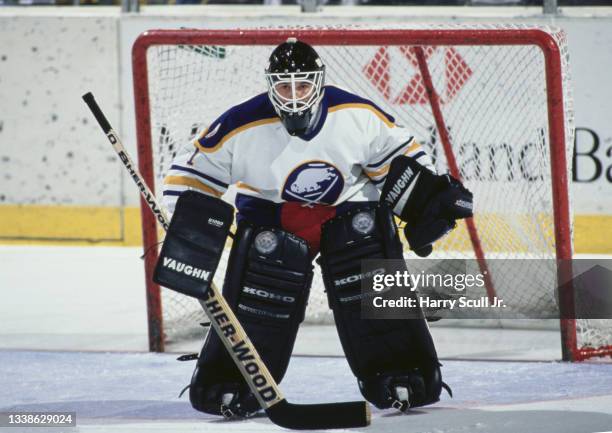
340	99
250	113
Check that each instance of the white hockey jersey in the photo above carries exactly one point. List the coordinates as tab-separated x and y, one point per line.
345	156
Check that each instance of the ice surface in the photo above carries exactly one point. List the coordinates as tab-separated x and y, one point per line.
117	392
57	298
64	303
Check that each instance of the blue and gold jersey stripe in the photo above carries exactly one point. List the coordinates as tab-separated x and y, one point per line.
192	183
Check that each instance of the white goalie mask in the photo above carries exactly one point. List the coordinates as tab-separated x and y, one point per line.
295	77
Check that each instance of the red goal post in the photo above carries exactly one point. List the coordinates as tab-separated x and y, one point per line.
169	63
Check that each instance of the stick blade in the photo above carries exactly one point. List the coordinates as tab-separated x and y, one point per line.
320	416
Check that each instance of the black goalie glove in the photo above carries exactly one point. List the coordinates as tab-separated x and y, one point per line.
428	203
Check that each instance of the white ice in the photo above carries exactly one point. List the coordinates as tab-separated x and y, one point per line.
73	338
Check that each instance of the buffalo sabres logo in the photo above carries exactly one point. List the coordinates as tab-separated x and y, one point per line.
315	182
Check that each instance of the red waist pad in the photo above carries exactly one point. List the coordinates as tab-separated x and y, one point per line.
305	222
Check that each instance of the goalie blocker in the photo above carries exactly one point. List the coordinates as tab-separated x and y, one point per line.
194	244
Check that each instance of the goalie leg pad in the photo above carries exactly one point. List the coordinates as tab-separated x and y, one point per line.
382	353
268	278
194	243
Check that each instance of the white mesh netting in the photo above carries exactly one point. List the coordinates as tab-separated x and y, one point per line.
494	103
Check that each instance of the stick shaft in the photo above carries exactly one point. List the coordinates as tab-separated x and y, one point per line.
238	344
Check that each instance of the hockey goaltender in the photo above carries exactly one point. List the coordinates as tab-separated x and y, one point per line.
319	171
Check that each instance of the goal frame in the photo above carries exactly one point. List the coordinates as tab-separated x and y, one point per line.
354	37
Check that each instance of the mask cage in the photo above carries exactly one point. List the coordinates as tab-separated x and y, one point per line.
293	104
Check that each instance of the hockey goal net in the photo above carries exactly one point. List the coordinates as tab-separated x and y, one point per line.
491	104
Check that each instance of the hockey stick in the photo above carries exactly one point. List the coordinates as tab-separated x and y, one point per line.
237	343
